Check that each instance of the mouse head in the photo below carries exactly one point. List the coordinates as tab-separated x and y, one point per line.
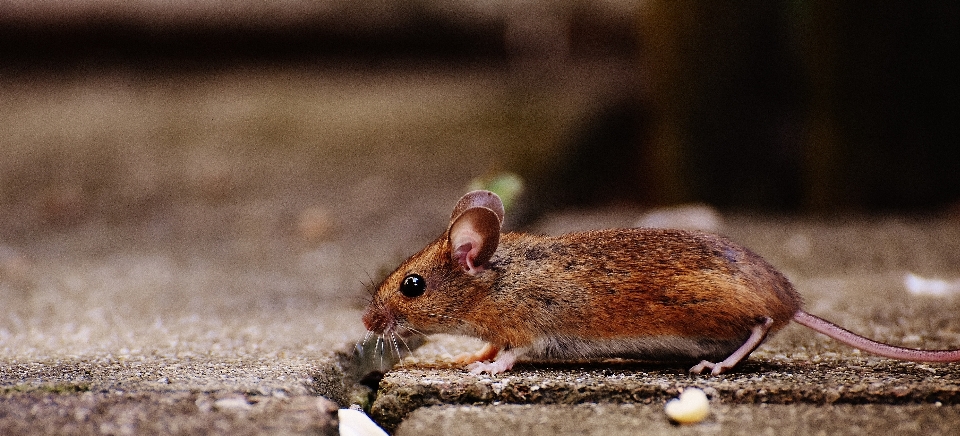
432	291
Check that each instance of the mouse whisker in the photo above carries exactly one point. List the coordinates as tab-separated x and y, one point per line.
358	348
407	346
379	348
415	331
369	288
404	342
396	349
361	342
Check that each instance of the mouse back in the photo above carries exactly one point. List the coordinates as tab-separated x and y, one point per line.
629	283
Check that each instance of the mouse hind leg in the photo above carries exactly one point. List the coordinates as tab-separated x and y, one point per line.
757	335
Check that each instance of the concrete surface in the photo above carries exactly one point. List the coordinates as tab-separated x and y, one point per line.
633	419
213	347
206	287
164	412
773	381
195	351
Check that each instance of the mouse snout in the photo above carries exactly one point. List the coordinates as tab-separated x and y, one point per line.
376	320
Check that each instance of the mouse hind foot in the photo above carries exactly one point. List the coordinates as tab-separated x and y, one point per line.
757	335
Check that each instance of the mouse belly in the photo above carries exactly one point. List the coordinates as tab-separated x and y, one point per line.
659	348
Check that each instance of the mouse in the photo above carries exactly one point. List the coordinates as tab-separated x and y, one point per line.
637	293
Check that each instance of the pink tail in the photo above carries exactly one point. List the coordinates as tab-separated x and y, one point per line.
854	340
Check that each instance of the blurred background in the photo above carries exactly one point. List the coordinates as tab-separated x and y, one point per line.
295	140
116	109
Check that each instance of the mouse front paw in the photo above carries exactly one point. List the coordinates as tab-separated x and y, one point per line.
503	364
492	368
488	352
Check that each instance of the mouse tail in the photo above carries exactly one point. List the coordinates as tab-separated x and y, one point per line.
854	340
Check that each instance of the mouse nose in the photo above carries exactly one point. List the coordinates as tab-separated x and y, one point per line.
375	321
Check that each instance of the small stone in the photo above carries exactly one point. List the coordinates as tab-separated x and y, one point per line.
691	407
356	423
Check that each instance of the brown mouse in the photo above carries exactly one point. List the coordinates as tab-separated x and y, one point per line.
651	294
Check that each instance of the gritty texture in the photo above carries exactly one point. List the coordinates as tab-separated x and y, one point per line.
648	419
185	254
39	411
784	382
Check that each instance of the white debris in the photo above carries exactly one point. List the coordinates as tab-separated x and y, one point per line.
917	285
691	407
356	423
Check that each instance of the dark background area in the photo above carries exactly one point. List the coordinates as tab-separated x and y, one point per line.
801	106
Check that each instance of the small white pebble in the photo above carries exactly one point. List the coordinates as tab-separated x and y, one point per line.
918	285
691	407
357	423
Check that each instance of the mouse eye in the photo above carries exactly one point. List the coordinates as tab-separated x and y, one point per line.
413	286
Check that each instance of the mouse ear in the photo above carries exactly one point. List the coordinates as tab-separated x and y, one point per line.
478	198
474	230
